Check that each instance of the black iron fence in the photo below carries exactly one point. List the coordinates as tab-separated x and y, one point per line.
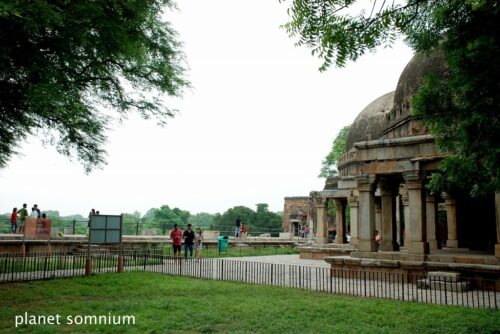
437	289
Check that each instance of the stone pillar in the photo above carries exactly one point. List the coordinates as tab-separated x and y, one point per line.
406	216
416	223
451	220
378	216
387	243
353	205
366	217
340	221
430	217
311	228
398	220
497	210
322	220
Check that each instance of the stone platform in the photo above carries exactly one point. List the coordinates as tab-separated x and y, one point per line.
11	243
463	261
315	252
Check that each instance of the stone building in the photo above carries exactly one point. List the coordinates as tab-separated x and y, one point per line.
298	210
382	179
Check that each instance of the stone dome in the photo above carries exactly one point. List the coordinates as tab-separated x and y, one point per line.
410	81
371	122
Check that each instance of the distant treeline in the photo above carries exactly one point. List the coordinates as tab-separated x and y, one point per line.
162	219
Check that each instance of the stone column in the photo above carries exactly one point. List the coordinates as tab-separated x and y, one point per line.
398	220
416	223
322	220
497	210
430	217
387	243
353	205
378	216
366	218
451	220
311	228
340	221
406	216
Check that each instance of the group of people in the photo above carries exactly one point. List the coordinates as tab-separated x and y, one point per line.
303	230
191	239
240	229
18	217
94	212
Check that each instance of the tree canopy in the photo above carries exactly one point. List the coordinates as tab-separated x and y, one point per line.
461	108
63	64
329	164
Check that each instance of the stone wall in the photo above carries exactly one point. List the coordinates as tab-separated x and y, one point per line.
296	208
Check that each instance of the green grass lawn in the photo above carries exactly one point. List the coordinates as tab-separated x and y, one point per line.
165	304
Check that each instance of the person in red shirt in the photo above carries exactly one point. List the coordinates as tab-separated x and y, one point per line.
176	236
243	233
13	220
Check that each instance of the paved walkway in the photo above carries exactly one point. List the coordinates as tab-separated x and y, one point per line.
283	259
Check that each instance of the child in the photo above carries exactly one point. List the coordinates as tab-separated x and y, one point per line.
198	238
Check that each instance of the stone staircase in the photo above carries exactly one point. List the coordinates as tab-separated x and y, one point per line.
444	281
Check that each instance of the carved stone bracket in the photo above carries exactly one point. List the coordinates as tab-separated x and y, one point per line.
413	179
366	182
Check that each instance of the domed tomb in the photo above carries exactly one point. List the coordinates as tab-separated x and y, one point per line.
371	122
399	120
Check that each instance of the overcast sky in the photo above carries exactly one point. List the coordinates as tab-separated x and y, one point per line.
254	129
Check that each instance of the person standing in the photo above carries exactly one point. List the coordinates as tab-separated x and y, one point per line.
198	242
237	227
23	213
188	237
176	236
35	212
243	230
13	220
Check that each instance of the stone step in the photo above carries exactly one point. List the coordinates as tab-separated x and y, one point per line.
447	276
443	285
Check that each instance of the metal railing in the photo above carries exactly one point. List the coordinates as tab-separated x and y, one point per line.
468	292
79	227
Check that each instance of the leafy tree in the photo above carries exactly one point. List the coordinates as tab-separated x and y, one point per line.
171	216
202	219
225	222
260	221
329	164
461	108
63	62
267	219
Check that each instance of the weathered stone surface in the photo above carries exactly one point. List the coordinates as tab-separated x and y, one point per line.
370	263
413	265
352	261
444	285
334	260
468	259
444	275
370	123
389	264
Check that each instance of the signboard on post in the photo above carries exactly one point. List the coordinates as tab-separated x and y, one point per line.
105	229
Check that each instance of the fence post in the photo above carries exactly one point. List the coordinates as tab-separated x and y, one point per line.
74	226
137	228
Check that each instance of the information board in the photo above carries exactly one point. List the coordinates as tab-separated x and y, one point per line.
105	229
